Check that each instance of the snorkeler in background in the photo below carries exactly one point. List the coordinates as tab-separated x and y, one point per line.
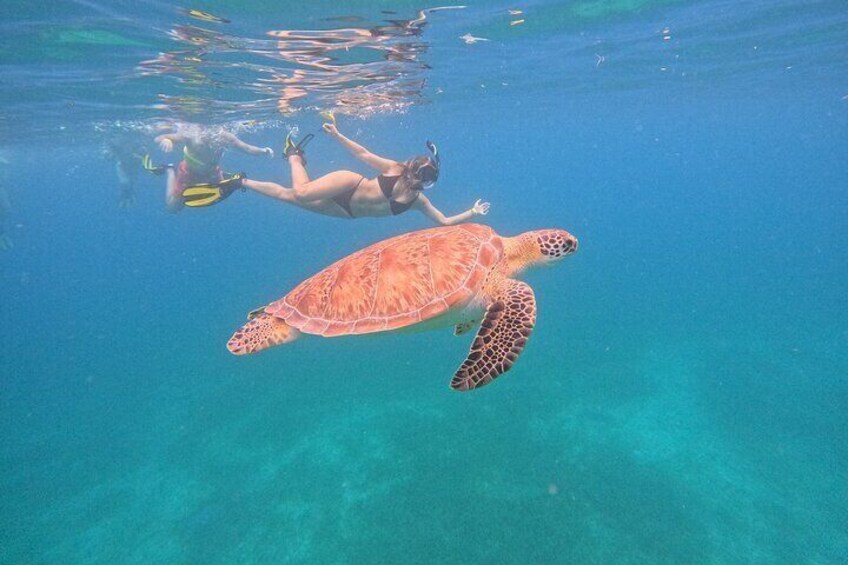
200	167
127	154
5	206
345	194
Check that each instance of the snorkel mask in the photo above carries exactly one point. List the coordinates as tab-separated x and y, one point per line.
427	168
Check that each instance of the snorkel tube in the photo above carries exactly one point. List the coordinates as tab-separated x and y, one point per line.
422	171
427	170
435	151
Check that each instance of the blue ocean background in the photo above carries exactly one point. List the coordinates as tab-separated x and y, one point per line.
682	399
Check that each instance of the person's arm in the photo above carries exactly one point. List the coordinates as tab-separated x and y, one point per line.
5	204
236	143
5	207
426	207
166	141
382	164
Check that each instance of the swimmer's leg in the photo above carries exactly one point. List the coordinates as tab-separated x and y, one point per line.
328	186
298	171
124	178
126	196
173	192
274	190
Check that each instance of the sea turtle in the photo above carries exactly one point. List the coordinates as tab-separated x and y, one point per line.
442	276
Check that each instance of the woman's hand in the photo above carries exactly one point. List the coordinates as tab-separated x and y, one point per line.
166	145
480	208
268	151
331	129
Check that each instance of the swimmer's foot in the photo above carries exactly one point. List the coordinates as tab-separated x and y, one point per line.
291	148
157	170
127	198
5	242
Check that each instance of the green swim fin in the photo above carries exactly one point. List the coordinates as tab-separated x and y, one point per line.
157	170
292	148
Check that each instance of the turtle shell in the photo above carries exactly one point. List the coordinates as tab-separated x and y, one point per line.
394	283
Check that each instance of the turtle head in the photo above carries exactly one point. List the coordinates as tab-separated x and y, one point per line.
554	245
540	247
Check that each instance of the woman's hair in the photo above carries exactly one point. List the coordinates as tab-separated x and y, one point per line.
419	173
422	171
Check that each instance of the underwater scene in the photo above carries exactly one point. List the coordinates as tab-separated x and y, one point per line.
614	329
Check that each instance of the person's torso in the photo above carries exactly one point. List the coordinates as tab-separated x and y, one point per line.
202	158
370	199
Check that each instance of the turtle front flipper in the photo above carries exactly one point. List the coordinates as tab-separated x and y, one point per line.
507	324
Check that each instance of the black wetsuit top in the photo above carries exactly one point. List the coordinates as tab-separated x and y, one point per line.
387	185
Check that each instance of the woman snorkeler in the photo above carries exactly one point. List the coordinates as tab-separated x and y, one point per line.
345	194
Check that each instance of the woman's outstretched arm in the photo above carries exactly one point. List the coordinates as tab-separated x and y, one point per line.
426	207
237	143
382	164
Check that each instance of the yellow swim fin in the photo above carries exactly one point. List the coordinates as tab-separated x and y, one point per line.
200	196
291	148
205	16
207	194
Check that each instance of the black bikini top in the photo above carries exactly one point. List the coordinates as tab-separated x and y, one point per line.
387	185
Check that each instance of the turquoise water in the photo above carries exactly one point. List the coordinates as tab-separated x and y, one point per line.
683	396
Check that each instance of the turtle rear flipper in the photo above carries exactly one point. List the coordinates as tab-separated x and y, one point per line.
261	332
255	312
501	338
